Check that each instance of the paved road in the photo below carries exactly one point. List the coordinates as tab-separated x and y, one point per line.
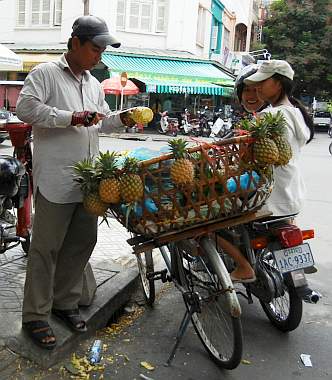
270	353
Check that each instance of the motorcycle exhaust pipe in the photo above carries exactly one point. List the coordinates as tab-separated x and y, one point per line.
312	297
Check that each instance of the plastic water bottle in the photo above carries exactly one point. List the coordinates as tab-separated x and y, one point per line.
95	352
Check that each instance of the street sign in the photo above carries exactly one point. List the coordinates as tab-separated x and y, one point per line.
123	79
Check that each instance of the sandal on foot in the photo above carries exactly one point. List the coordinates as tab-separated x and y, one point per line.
40	332
72	318
242	280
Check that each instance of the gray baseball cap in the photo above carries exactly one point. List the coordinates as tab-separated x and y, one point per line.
95	29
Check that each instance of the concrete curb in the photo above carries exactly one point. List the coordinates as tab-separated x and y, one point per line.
110	297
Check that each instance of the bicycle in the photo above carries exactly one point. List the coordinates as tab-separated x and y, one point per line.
181	228
16	205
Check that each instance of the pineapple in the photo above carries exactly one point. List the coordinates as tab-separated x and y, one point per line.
136	115
131	185
109	186
87	177
182	169
277	127
265	151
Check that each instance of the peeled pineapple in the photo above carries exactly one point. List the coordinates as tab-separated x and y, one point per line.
141	115
136	115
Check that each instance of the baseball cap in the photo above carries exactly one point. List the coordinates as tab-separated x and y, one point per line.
268	68
95	29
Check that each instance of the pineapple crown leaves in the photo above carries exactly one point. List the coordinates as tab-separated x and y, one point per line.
131	165
179	148
86	175
106	164
276	123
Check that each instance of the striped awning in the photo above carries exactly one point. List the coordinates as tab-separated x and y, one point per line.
162	75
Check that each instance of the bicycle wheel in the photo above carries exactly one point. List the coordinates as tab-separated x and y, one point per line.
218	330
329	132
145	266
285	310
330	148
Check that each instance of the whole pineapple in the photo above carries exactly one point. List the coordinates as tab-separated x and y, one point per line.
109	186
182	169
131	185
265	151
87	176
277	128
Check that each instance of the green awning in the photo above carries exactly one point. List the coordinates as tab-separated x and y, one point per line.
182	87
172	75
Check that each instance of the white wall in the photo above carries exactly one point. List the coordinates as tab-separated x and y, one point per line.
242	9
181	28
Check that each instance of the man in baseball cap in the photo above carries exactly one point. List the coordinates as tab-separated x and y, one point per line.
95	30
268	68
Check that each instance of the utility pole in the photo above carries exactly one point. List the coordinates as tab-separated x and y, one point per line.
86	7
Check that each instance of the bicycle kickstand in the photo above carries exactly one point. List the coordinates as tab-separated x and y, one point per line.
191	299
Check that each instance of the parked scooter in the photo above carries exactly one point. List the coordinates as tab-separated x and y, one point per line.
168	125
221	126
205	122
189	126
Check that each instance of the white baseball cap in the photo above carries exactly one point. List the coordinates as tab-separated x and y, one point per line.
268	68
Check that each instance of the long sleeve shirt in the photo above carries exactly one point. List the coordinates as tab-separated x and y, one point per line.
51	93
289	189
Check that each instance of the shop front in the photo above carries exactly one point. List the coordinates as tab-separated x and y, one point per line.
173	84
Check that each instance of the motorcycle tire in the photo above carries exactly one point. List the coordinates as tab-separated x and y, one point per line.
284	318
174	134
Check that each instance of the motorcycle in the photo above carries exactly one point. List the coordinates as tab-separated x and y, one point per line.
280	257
221	126
205	122
189	126
168	125
14	190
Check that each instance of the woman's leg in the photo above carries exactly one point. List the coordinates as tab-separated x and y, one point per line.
243	270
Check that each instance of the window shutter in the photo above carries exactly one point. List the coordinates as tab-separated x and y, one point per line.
161	16
57	19
214	37
146	17
121	15
21	13
134	14
46	11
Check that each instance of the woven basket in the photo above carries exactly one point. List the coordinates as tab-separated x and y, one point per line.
221	190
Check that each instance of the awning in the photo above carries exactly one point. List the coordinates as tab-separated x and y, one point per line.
172	75
32	59
9	61
182	87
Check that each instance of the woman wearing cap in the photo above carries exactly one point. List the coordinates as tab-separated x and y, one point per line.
247	94
249	100
274	85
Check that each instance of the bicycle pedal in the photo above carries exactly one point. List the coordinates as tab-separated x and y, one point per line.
158	275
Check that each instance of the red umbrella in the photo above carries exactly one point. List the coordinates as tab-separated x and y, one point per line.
113	86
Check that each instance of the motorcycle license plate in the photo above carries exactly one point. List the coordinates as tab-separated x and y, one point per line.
291	259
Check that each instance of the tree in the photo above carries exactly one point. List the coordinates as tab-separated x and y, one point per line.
300	32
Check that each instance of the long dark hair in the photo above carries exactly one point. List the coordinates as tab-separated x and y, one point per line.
287	86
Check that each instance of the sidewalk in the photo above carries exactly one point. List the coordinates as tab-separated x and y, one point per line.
116	274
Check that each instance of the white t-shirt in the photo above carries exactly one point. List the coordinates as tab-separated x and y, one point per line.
289	189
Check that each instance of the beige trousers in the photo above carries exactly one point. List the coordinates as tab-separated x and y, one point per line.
64	236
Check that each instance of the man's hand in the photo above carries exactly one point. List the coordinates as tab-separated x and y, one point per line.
86	118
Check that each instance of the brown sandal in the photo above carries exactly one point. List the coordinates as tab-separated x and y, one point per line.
72	318
39	332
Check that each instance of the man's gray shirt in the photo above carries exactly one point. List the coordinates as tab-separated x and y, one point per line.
51	93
